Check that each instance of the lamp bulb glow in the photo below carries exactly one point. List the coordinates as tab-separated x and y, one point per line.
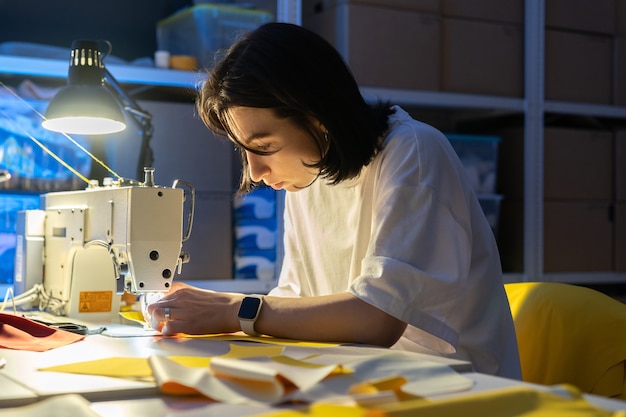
84	125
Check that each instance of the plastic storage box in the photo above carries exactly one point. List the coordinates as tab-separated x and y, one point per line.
255	264
479	155
255	235
260	204
10	205
490	204
204	29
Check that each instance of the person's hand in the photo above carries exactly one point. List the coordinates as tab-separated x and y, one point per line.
195	311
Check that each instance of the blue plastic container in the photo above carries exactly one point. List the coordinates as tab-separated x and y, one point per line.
204	29
10	204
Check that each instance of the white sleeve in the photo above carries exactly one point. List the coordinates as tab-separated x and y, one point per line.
420	247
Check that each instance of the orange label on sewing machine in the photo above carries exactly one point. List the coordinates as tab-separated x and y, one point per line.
95	301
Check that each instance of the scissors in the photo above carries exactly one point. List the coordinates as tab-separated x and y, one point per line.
70	327
67	326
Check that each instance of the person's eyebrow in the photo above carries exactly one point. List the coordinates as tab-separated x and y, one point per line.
255	136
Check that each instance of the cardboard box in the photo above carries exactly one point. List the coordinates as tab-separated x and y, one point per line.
578	67
619	256
597	16
490	203
310	7
482	57
577	236
510	11
578	164
620	165
619	73
384	47
620	15
510	236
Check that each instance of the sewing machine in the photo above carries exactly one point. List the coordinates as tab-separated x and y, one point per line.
102	241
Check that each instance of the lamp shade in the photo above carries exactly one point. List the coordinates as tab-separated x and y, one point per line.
85	105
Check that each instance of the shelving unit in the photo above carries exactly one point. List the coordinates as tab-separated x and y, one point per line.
533	106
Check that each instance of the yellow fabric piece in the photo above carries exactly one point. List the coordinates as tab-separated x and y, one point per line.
134	316
505	402
129	367
137	317
119	367
569	334
323	410
263	339
392	383
239	352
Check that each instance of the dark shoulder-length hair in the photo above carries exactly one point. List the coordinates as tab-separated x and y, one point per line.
301	77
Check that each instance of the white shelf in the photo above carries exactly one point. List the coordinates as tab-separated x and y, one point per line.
443	99
594	277
585	109
53	68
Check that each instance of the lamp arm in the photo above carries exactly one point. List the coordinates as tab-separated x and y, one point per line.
140	116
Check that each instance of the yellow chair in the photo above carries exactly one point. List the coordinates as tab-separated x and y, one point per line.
569	334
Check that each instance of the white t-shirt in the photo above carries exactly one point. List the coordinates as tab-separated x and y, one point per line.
409	237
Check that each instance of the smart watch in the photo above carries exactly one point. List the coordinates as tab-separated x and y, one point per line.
249	312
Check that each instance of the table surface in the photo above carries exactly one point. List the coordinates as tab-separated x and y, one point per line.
22	383
162	407
25	383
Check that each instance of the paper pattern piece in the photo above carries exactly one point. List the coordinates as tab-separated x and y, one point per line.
382	378
265	375
274	380
262	380
423	378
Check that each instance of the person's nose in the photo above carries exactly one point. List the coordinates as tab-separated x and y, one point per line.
258	166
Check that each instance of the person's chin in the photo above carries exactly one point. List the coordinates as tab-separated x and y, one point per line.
278	186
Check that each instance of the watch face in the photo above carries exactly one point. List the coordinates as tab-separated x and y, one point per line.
249	308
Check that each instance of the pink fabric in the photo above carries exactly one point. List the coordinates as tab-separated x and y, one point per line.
21	333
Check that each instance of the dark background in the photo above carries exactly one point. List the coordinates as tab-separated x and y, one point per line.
130	25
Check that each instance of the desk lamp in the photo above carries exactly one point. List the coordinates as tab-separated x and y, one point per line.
92	101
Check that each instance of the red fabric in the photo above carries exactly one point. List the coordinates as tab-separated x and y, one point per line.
21	333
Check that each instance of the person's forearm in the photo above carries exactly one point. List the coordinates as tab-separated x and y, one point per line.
337	318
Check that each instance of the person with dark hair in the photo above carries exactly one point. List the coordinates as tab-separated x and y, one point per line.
385	242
